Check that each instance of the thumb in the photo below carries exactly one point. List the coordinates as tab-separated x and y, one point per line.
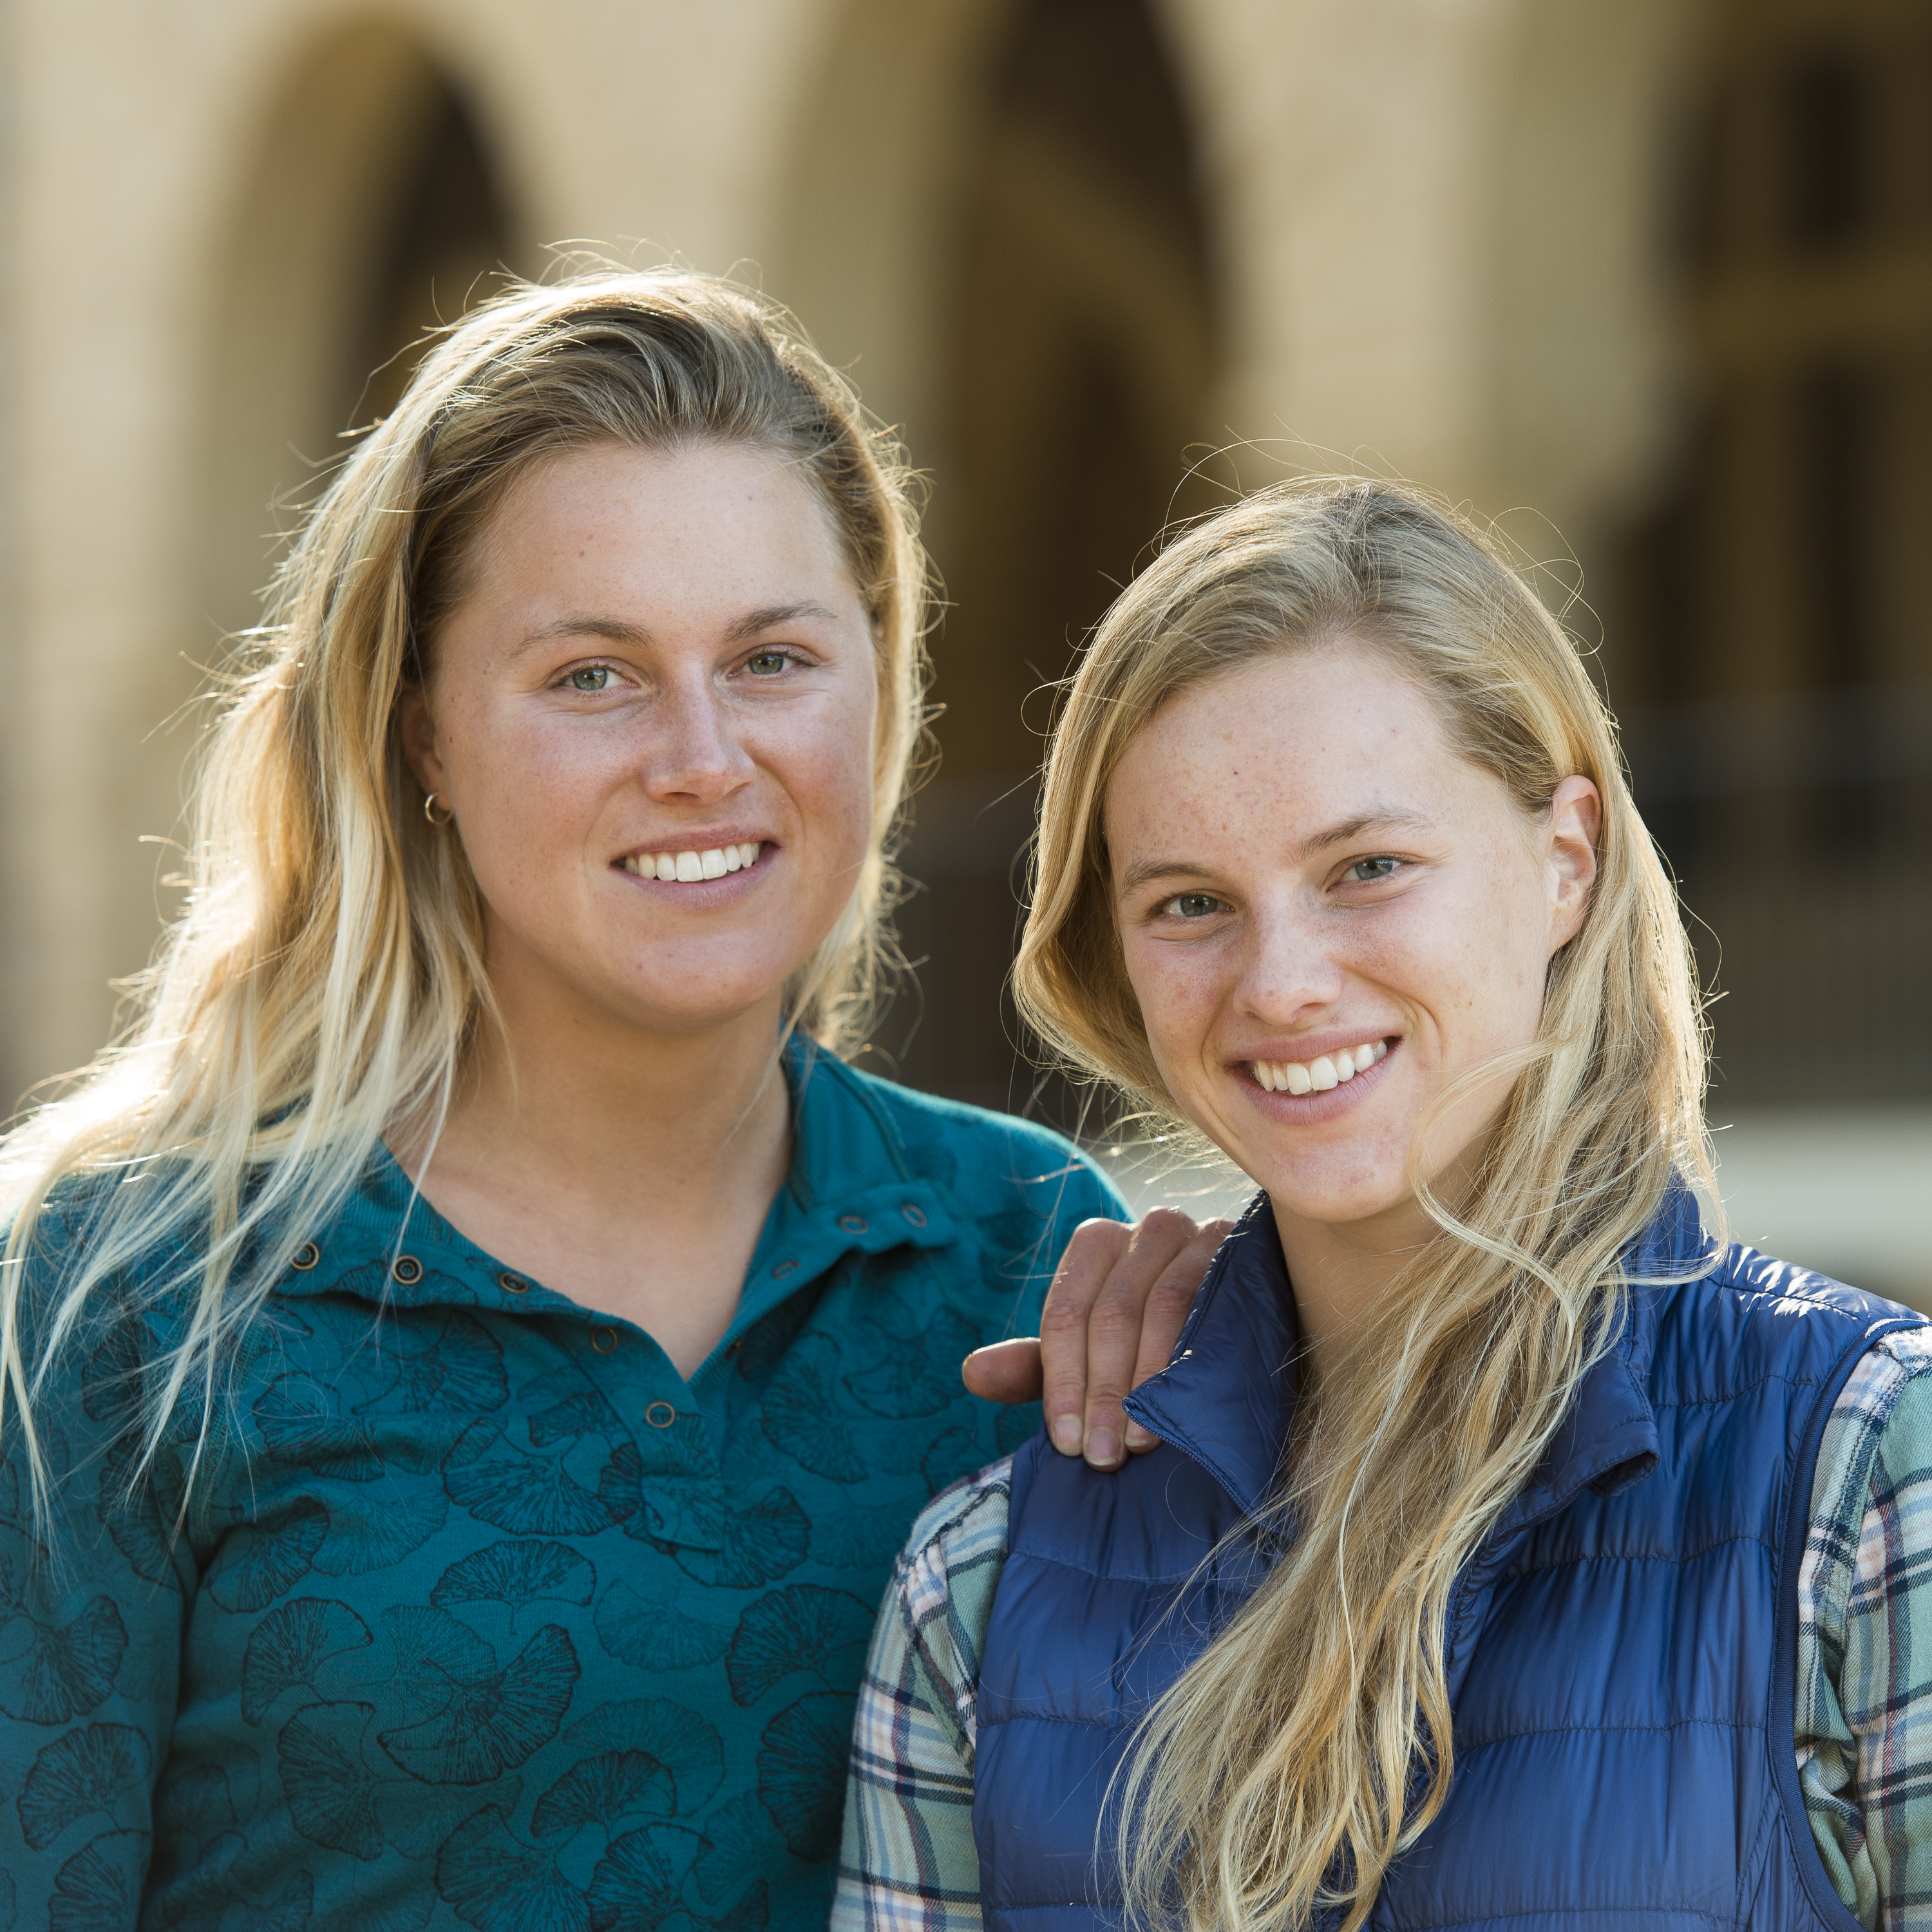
1005	1372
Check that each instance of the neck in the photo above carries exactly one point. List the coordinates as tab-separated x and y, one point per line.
1340	1272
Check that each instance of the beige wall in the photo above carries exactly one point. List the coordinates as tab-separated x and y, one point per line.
1427	218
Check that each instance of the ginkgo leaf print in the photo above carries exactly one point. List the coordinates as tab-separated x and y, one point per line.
953	1453
801	1767
290	1646
133	1519
678	1738
292	1907
638	1883
517	1575
257	1565
496	1884
191	1799
750	1547
330	1789
416	1818
752	1912
738	1839
372	1530
580	1411
299	1426
528	1495
915	1373
110	1378
801	1627
99	1888
85	1772
654	1635
199	1897
491	1726
430	1647
604	1790
800	1413
459	1368
846	1536
50	1675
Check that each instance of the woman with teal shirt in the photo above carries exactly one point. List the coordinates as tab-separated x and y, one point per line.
469	1357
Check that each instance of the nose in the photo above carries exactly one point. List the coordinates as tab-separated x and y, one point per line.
694	756
1290	971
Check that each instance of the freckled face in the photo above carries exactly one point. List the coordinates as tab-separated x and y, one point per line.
1303	867
660	654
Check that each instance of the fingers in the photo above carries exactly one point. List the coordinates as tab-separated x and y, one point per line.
1112	1318
1091	1256
1004	1371
1168	1302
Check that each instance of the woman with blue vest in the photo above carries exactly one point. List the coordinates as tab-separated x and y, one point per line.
1519	1554
470	1355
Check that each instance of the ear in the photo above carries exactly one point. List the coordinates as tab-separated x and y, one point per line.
417	731
1575	817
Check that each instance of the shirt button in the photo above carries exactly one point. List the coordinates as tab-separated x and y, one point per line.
407	1270
853	1224
916	1216
512	1284
784	1268
305	1257
660	1415
603	1339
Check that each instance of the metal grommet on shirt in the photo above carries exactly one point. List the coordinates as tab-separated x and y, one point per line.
512	1284
853	1224
784	1268
603	1339
407	1270
660	1414
916	1216
305	1257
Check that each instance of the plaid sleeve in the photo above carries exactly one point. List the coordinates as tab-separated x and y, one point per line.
908	1863
1864	1709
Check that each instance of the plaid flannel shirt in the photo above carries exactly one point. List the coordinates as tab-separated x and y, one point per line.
1864	1709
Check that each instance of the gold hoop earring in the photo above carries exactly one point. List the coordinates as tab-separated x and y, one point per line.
429	812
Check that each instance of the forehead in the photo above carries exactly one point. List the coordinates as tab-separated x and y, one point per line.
1305	738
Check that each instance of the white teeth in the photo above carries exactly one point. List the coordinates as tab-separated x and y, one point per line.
691	866
1322	1074
1299	1080
1345	1066
1291	1076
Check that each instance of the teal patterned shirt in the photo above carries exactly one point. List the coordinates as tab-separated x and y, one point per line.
481	1615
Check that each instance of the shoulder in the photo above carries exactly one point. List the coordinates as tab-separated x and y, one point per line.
1759	1301
991	1162
951	1564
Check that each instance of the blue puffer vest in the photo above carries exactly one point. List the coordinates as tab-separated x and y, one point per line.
1622	1648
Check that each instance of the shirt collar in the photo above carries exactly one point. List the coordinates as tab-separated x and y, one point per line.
849	1189
1226	1399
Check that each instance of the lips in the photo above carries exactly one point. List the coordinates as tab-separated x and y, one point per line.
1320	1073
694	864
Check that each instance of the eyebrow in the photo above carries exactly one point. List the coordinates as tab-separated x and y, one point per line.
1146	872
618	631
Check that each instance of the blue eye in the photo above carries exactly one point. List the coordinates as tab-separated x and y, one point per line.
767	663
1366	872
1194	905
591	677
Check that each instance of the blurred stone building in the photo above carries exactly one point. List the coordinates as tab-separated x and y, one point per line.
1652	282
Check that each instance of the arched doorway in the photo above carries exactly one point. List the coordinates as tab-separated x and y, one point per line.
374	211
1078	353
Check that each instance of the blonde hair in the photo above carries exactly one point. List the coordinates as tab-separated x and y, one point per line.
327	976
1312	1741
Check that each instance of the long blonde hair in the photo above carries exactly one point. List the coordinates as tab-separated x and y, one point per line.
327	976
1312	1741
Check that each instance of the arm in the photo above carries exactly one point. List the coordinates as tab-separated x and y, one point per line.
908	1859
1864	1710
1113	1314
92	1602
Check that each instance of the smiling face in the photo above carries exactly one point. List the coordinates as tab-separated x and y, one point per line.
662	667
1303	867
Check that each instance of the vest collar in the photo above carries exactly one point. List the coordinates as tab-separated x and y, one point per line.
1226	1399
